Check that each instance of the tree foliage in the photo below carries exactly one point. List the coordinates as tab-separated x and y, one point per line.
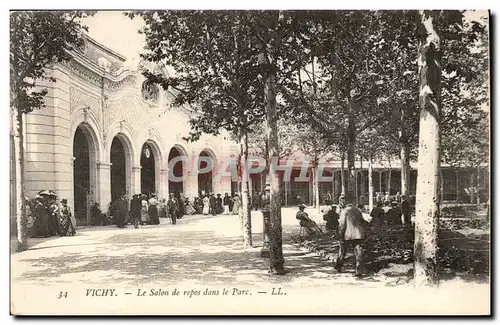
215	62
38	39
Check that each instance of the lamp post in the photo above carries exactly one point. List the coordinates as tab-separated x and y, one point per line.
266	214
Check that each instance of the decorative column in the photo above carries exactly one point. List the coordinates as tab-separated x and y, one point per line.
102	193
163	191
136	178
191	184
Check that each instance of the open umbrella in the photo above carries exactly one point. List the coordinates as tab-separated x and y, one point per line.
47	192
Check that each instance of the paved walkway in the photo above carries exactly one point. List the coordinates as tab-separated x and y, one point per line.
199	253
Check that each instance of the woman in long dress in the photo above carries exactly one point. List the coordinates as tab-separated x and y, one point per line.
66	225
153	211
189	207
236	204
41	223
144	211
206	205
54	213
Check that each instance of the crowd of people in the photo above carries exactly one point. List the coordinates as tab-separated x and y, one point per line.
346	223
144	209
47	218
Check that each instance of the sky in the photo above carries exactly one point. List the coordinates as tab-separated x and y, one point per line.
120	33
117	32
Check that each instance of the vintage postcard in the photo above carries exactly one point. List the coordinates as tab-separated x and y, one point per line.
250	162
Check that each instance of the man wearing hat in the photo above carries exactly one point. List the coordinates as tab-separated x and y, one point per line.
218	204
342	203
393	216
173	208
352	233
135	210
227	202
306	222
212	202
332	220
121	210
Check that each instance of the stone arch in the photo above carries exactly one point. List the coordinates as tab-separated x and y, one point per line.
173	170
206	180
86	182
123	133
158	165
86	116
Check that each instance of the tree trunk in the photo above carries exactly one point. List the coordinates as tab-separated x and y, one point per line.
389	177
245	208
471	187
21	217
441	185
276	260
351	140
429	160
404	153
370	183
342	174
362	192
316	186
478	184
405	170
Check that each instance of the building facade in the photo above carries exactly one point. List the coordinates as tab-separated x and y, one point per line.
106	131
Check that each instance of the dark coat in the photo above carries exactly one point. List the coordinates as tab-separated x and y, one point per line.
393	216
332	219
41	225
135	206
405	207
173	206
227	200
378	216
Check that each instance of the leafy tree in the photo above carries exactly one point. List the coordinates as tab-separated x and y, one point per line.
314	146
347	87
216	71
465	131
38	39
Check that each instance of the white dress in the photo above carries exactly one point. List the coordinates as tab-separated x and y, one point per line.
144	211
206	205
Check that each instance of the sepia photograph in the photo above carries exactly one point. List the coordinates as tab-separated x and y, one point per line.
250	162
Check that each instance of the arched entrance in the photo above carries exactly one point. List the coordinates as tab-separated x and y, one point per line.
148	179
118	169
176	173
83	165
205	179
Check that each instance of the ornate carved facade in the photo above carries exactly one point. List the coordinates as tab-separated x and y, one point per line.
106	131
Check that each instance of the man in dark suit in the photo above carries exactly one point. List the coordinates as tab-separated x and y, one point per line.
352	233
212	203
135	210
121	211
173	208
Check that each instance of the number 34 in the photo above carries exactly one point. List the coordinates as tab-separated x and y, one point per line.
62	294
